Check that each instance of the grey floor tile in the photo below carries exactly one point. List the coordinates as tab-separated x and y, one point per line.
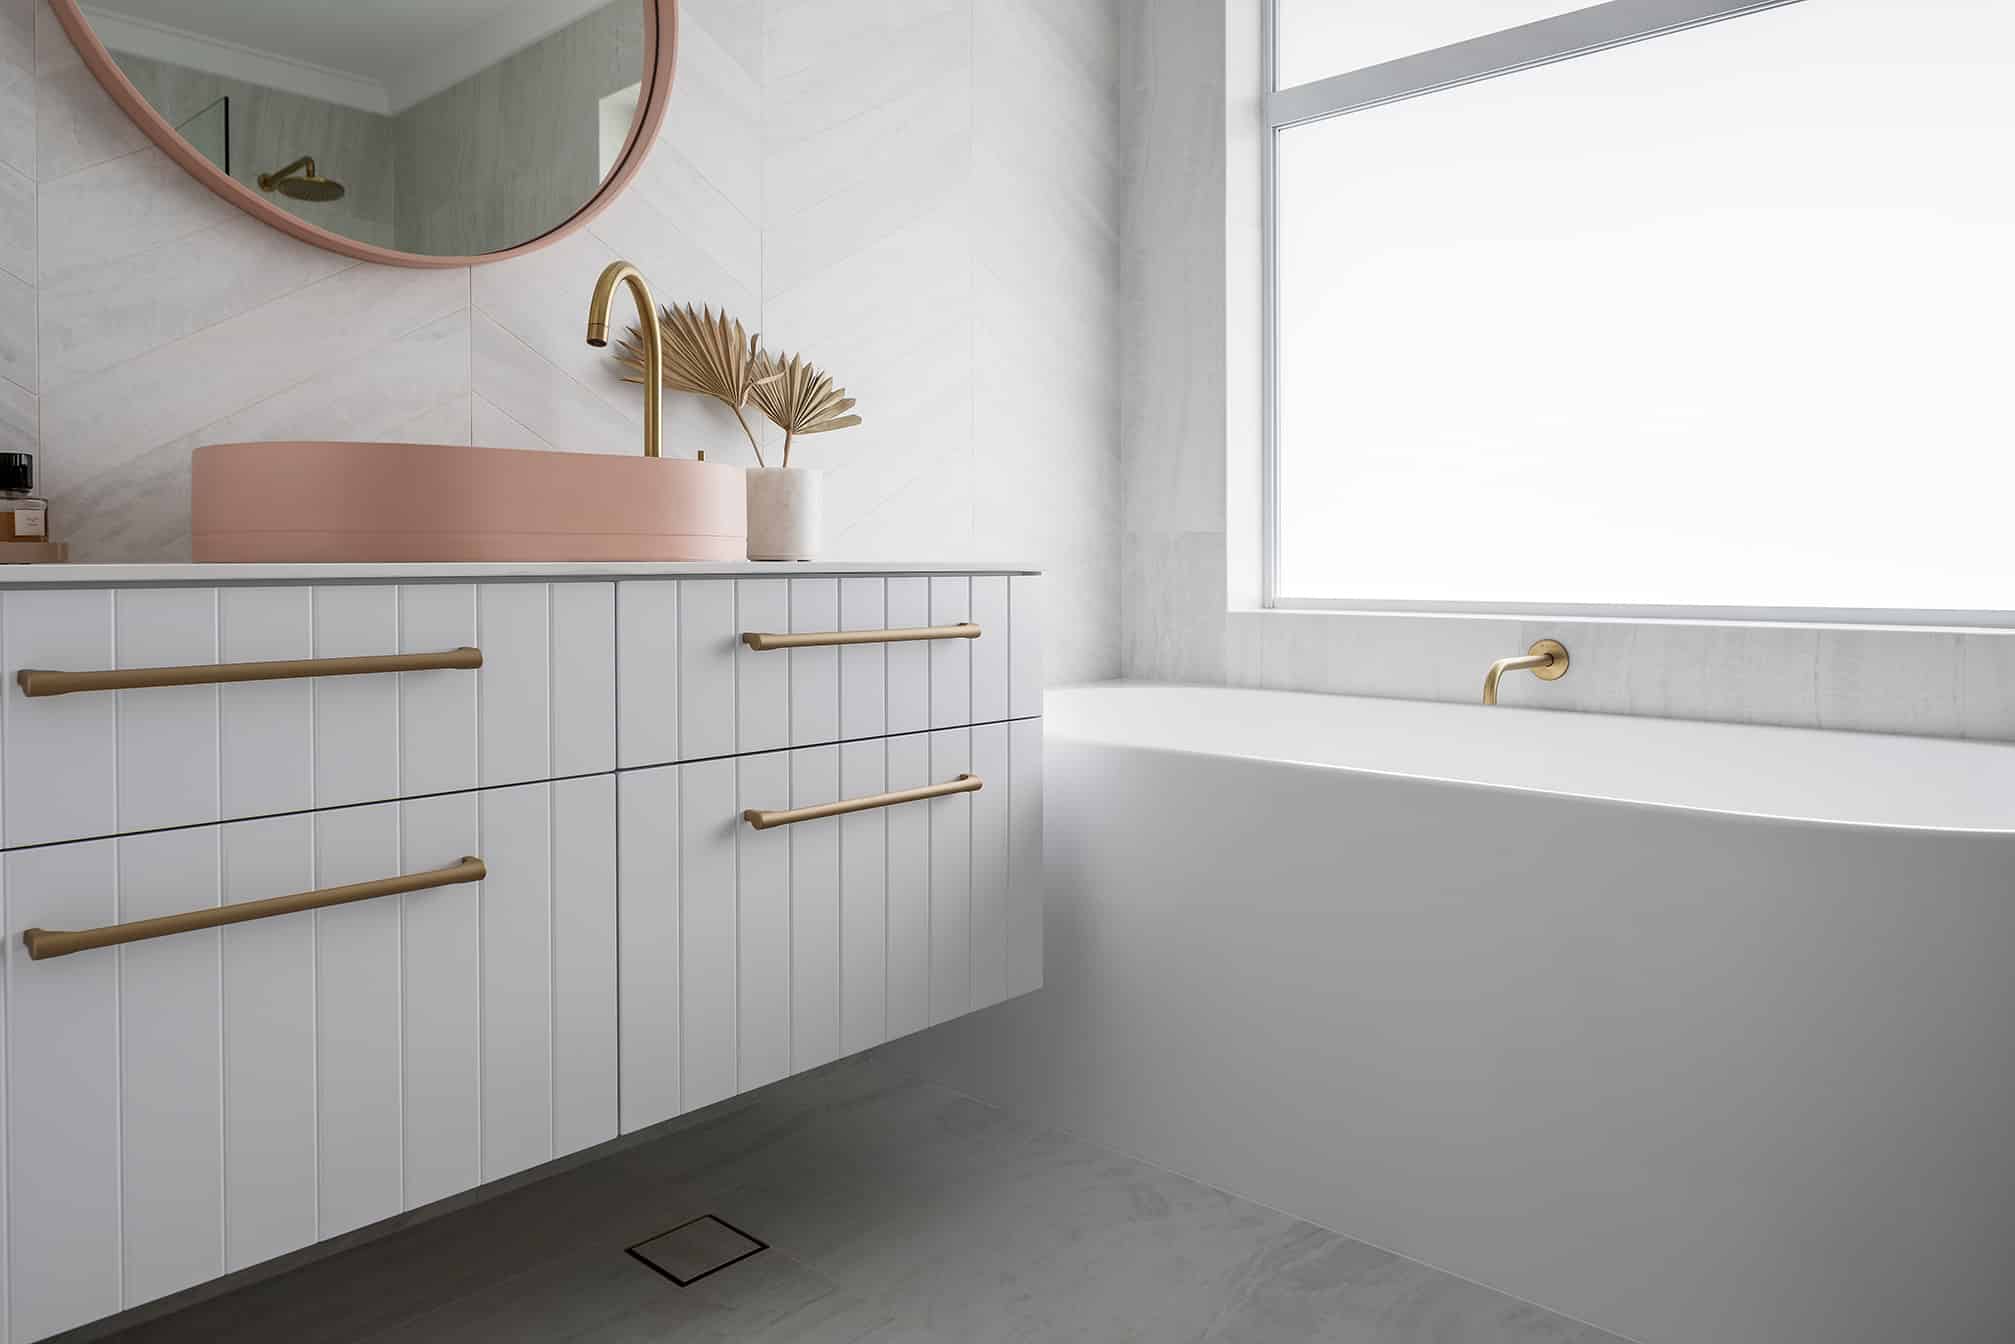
602	1298
1310	1285
967	1225
896	1213
608	1205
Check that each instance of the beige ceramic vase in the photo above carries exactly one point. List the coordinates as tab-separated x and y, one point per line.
786	513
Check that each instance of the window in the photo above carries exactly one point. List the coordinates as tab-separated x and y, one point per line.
1631	308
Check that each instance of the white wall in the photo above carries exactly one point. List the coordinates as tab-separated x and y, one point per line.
920	195
1189	445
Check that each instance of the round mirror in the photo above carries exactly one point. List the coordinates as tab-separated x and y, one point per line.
415	132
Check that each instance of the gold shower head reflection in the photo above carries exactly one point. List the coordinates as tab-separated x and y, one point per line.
300	181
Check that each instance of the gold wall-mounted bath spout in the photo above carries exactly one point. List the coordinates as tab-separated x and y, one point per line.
1546	660
622	272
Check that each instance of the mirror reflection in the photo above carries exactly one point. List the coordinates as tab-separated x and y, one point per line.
439	127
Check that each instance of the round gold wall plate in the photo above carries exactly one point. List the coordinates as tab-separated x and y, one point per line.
1554	670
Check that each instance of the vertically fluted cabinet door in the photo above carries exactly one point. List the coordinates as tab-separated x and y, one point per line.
751	953
185	1106
113	762
692	689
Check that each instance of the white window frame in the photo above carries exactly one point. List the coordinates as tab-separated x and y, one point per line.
1564	37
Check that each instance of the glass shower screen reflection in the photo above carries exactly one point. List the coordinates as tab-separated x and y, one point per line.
209	132
1718	319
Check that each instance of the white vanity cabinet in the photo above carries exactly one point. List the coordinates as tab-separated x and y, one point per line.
750	955
185	1104
190	1105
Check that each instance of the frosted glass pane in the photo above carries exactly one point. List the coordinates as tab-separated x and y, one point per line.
1719	319
1320	38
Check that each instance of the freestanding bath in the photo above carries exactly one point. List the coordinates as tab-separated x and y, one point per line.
1699	1033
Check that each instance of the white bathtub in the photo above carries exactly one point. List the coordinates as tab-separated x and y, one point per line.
1703	1034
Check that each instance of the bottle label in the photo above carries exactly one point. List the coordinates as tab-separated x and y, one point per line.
28	524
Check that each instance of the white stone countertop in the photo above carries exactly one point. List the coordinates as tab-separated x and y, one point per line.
104	576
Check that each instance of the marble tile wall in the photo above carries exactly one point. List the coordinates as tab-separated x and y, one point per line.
1185	272
19	265
922	195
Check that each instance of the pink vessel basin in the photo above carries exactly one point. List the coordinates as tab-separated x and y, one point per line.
361	502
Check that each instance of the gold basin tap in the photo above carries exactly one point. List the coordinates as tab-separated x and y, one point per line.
1546	660
618	273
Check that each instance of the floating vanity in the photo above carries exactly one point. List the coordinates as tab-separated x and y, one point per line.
573	850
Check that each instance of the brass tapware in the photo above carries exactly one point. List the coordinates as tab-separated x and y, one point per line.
300	181
1546	659
45	943
653	335
764	821
764	643
36	682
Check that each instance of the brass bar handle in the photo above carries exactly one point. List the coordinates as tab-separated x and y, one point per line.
45	943
36	682
764	821
765	643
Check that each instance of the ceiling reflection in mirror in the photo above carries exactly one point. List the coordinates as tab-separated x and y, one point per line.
446	128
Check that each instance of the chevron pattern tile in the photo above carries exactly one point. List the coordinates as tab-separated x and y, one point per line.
921	195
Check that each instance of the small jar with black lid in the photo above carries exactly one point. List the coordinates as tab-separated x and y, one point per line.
23	516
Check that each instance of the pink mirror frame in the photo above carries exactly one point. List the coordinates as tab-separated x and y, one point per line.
661	26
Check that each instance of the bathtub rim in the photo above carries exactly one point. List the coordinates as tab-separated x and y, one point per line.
1058	728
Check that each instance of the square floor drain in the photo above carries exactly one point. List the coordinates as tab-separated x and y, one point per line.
691	1251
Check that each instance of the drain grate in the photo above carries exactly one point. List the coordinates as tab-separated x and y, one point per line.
691	1251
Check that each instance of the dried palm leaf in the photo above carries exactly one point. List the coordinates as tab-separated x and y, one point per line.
799	399
704	353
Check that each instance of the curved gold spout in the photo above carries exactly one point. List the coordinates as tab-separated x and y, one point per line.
1546	659
622	272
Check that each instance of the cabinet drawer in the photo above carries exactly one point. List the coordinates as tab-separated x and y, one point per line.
108	762
693	688
749	954
188	1105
